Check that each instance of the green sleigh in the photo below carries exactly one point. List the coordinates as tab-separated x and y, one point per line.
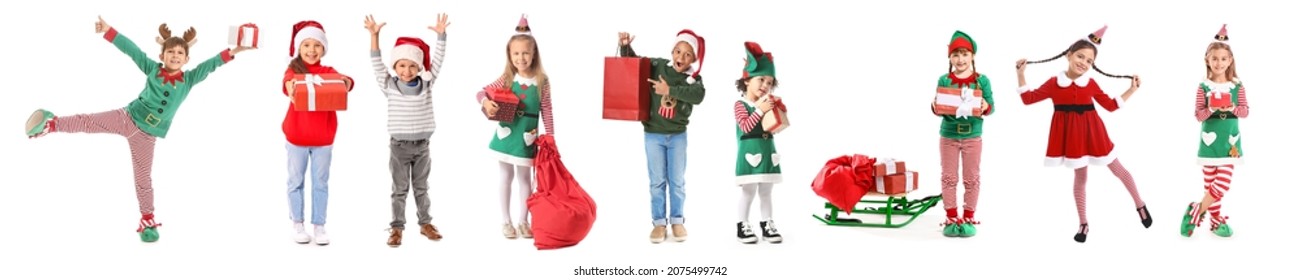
897	209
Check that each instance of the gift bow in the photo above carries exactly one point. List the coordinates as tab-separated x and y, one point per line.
777	104
312	81
968	102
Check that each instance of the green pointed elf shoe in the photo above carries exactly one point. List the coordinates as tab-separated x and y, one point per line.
1190	223
952	227
967	227
148	229
36	124
1220	227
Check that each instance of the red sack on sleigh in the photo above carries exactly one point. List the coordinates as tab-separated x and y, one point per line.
562	211
844	180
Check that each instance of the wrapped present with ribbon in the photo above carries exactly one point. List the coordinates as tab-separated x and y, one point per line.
626	92
508	104
1220	99
889	166
244	35
893	184
775	120
320	92
960	102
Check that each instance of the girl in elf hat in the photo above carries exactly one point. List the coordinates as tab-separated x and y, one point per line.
513	142
758	165
678	88
960	136
147	118
310	134
1220	148
1078	137
410	119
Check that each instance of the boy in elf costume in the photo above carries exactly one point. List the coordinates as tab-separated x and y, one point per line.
758	164
1220	148
960	140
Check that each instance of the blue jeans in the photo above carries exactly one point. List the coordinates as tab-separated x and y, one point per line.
666	158
320	176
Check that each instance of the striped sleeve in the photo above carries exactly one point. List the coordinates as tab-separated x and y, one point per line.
745	119
381	69
439	52
1242	109
1202	112
548	115
482	94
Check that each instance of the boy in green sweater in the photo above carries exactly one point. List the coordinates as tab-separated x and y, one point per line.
677	88
960	140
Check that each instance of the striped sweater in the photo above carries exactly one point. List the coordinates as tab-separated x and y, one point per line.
410	106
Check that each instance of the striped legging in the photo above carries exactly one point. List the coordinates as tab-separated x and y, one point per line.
142	145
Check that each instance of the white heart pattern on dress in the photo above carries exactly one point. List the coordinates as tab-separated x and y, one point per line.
529	137
776	159
1232	139
503	132
754	159
1208	137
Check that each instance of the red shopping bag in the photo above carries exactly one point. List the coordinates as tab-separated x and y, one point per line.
627	89
844	180
562	211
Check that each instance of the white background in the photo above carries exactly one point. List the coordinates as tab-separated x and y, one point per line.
858	80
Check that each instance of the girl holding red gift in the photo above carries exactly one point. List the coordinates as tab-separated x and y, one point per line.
1078	137
758	165
310	134
147	118
1220	102
678	88
960	135
514	142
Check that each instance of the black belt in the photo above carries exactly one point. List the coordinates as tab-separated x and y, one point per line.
1223	115
763	135
421	141
522	113
1076	108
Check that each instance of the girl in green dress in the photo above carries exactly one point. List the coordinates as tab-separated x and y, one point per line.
758	165
512	142
1220	143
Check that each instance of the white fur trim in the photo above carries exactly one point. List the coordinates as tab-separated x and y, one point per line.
770	178
1218	161
309	32
1024	89
514	160
408	52
1064	81
525	81
427	76
1075	163
690	79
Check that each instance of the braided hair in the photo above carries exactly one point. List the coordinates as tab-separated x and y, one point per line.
1077	46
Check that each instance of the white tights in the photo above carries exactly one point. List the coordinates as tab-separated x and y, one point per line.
764	191
524	174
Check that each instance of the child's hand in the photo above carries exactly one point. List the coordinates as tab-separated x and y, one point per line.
288	87
372	26
239	49
765	105
441	27
1020	65
1135	83
101	26
625	39
984	105
660	86
489	107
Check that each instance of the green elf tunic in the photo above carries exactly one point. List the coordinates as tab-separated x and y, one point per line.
513	141
1220	133
155	108
756	158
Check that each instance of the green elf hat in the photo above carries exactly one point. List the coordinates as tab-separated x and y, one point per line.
757	62
960	40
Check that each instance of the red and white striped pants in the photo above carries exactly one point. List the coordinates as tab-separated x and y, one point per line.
142	145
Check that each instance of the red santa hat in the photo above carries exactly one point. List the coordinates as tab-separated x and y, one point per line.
415	50
1222	37
307	29
697	43
1095	37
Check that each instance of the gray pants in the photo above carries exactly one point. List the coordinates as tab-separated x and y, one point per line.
409	163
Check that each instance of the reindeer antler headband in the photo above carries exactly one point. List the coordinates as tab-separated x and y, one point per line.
165	33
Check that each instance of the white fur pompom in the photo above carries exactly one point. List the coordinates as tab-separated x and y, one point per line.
690	80
426	75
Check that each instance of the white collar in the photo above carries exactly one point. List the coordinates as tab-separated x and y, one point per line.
525	81
1064	81
747	102
1221	87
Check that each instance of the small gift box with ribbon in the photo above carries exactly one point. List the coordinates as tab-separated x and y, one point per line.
775	120
320	92
892	184
244	35
959	102
507	104
889	166
1220	99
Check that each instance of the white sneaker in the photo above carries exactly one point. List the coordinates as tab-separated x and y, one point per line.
322	238
300	234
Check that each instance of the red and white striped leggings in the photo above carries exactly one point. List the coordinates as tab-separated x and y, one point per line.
142	144
1218	179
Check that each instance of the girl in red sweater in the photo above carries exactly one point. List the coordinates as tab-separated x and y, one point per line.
310	133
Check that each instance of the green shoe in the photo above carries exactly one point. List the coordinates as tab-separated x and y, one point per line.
1189	223
36	123
967	228
952	228
1220	227
149	235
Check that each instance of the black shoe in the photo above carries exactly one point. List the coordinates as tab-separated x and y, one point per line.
745	233
1082	235
769	232
1146	216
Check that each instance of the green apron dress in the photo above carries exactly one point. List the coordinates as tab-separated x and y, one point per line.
756	158
1220	133
513	141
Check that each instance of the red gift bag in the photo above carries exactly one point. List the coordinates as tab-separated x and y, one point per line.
844	180
507	104
562	211
627	88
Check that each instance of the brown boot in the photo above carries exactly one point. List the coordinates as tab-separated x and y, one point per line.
428	230
395	237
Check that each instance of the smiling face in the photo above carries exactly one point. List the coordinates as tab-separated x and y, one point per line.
406	69
1080	61
759	86
311	51
174	56
1219	62
683	57
521	53
961	60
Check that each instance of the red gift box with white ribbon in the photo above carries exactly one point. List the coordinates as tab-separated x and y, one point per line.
320	92
244	35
